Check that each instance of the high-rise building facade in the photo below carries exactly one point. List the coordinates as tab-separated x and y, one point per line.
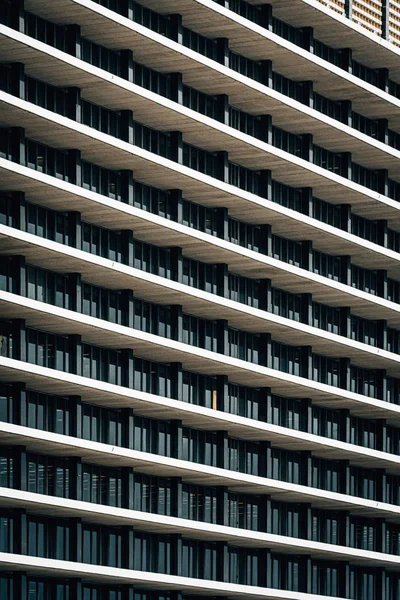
199	300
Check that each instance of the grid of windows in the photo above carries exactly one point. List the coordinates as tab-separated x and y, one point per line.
110	470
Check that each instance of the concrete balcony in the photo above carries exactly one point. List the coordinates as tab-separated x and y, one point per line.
44	442
99	271
56	194
153	347
148	580
169	174
109	28
335	29
198	530
154	110
285	167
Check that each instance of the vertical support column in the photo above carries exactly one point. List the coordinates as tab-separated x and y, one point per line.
73	40
381	277
222	223
306	415
75	349
382	332
264	459
345	270
21	586
344	425
176	439
176	264
177	497
176	204
346	167
222	337
308	93
176	146
344	477
265	408
77	421
177	322
308	39
75	229
307	258
17	80
381	485
18	271
76	478
74	160
175	81
222	450
266	239
307	151
76	589
347	59
306	362
176	555
127	247
222	506
222	561
19	334
266	16
176	375
128	308
126	126
176	28
223	51
76	541
344	373
265	349
347	112
307	522
223	280
265	295
265	126
17	145
382	226
383	79
222	160
128	419
266	73
344	578
306	309
381	435
18	393
74	104
307	202
128	544
126	65
383	131
306	468
348	8
75	290
345	321
381	384
16	15
345	217
265	190
127	187
385	19
222	108
383	181
128	367
20	469
18	210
